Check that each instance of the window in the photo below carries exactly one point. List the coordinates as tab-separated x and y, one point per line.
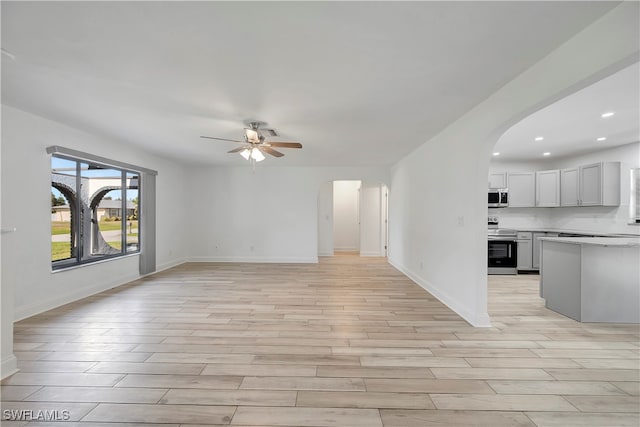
94	211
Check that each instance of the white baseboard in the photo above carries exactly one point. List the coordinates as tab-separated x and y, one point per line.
42	306
273	260
325	253
8	366
167	265
481	320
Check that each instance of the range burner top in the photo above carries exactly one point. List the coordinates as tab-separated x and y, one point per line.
501	233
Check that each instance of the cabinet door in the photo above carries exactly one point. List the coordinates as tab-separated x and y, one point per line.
536	250
498	180
548	188
522	186
569	188
524	254
591	185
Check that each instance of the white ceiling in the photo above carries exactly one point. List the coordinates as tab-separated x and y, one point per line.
572	125
358	83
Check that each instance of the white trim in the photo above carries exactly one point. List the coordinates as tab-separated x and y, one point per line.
88	263
325	253
8	366
32	309
166	266
478	320
38	308
276	260
81	155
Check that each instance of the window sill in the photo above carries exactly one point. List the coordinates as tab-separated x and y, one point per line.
87	264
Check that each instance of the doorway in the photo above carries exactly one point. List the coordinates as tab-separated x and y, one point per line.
353	218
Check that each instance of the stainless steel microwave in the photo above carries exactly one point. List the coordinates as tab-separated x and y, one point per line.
498	198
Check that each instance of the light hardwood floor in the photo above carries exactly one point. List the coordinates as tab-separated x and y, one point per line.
347	342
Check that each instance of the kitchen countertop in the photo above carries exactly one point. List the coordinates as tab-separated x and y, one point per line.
586	233
599	241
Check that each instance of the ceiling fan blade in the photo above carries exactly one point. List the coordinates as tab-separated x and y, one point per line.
221	139
271	151
236	150
285	144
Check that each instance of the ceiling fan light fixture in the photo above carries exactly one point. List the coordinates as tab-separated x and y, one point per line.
245	153
251	135
257	155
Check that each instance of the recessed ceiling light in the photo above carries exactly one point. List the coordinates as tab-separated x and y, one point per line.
609	114
496	153
602	138
546	153
539	138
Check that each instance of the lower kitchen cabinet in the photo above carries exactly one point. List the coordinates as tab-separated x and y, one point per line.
529	249
525	251
536	247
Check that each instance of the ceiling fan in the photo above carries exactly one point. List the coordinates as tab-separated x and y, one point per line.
255	144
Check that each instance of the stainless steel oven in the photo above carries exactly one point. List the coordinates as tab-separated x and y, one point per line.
502	252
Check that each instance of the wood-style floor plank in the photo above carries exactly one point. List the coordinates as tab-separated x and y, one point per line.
346	342
442	418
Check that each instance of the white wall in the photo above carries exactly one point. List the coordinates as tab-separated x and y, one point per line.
346	215
26	194
590	219
8	362
269	214
372	216
325	219
438	204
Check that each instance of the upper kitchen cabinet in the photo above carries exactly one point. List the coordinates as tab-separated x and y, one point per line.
596	184
569	187
600	184
548	188
498	180
522	189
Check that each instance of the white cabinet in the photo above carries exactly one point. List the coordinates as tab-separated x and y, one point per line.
548	188
569	187
597	184
600	184
524	251
536	247
498	180
522	189
590	185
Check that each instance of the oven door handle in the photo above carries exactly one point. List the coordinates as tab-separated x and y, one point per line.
509	251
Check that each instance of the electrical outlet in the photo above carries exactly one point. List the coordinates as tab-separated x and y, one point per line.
460	221
251	248
421	265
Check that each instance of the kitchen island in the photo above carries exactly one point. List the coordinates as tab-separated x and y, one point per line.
592	279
